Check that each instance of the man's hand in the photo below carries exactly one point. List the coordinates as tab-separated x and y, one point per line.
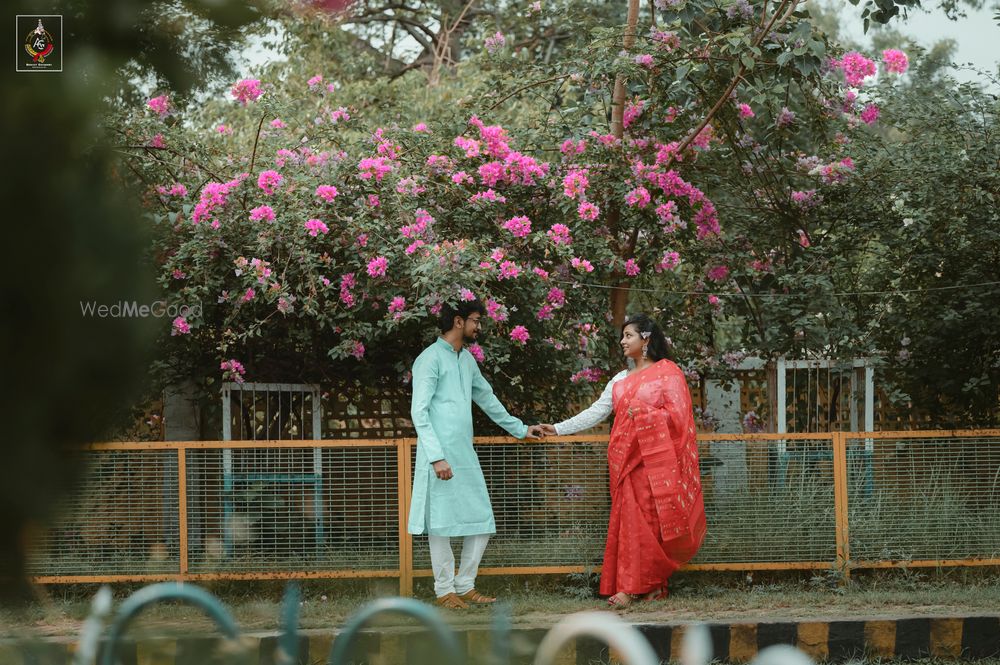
442	469
534	432
548	429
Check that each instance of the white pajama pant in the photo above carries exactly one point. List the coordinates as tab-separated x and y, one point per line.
443	563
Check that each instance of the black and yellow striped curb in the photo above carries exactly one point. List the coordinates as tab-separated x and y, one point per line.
837	641
967	638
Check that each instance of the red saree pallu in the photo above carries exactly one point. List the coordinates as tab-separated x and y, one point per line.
657	512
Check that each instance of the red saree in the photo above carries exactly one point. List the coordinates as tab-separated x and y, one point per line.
657	512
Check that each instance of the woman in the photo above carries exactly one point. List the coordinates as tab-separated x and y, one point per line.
657	513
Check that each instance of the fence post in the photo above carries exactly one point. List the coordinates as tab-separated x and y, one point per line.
404	490
840	502
182	517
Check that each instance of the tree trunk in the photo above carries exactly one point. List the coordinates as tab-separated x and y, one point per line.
620	292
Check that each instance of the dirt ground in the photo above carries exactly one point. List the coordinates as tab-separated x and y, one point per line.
542	602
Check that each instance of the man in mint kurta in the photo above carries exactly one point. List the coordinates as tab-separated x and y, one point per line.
449	491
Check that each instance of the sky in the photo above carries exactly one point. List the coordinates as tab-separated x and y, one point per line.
977	35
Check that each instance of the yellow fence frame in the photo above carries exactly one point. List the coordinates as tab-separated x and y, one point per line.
406	573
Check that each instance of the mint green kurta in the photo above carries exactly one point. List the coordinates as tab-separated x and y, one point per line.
445	384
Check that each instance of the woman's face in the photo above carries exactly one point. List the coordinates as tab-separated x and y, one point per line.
632	342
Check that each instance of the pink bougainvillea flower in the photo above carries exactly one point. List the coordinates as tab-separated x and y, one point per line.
520	335
477	352
638	197
180	326
895	61
246	91
519	226
717	273
378	266
495	42
262	212
315	227
327	192
575	183
397	306
588	211
632	112
559	234
869	115
508	270
233	369
496	310
856	67
669	261
269	181
161	105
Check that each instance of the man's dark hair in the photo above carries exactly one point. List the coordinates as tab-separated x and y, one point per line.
658	349
462	309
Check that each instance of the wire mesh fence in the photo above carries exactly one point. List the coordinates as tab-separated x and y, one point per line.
293	509
123	516
550	503
776	505
930	498
325	508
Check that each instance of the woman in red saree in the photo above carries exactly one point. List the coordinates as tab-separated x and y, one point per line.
657	518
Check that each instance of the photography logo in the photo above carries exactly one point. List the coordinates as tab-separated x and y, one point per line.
38	43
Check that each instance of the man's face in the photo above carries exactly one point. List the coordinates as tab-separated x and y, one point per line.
471	327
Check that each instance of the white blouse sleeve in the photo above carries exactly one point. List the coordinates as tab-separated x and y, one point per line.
593	414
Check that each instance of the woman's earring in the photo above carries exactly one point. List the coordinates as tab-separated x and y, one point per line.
645	351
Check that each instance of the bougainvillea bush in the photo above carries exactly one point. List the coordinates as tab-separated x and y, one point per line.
319	223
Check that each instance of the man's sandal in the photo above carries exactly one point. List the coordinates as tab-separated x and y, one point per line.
621	600
476	598
451	601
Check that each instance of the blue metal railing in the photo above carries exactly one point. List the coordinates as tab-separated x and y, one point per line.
630	647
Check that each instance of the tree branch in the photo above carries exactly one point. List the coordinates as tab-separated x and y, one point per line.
773	25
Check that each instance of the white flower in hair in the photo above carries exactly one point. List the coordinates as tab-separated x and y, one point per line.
645	335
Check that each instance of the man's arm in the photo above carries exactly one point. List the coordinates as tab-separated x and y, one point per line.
425	378
482	395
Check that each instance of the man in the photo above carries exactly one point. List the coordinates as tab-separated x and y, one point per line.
449	491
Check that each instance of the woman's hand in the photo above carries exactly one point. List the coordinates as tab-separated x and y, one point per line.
549	429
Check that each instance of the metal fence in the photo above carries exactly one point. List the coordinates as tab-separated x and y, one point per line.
337	509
